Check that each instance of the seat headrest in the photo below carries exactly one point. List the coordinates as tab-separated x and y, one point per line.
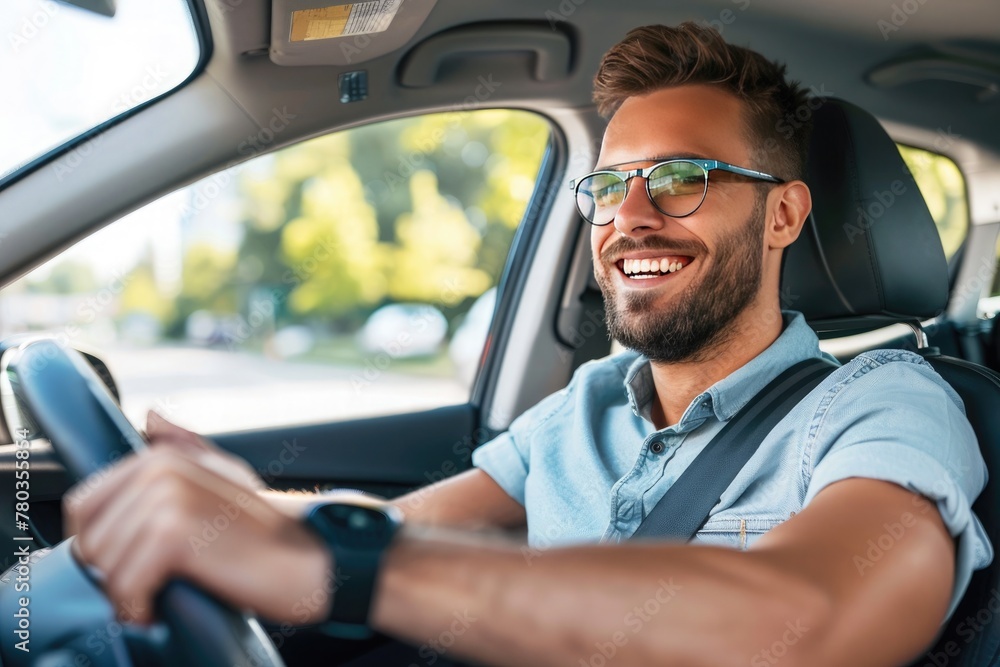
869	252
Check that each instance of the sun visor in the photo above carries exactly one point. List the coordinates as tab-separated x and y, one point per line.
324	32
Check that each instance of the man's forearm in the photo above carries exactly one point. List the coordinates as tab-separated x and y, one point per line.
295	503
469	500
510	605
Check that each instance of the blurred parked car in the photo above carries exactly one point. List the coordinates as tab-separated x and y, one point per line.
404	330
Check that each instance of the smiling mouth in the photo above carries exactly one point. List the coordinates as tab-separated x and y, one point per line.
652	267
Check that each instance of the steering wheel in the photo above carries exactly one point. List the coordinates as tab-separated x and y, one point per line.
52	391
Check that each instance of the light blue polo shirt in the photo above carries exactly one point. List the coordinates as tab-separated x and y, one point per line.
583	464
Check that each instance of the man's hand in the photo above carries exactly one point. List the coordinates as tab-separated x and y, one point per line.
162	433
186	509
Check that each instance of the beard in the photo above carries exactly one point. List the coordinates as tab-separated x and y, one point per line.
701	317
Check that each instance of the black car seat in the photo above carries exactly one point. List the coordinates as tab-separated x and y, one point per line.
870	255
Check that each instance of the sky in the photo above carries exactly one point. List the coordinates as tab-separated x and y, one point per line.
66	70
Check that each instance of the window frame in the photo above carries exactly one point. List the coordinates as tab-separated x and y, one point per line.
203	38
510	284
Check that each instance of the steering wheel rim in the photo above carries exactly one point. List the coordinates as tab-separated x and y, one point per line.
55	392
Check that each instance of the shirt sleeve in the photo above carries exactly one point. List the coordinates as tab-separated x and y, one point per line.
895	419
505	457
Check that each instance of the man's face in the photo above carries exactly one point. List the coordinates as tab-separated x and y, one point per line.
678	315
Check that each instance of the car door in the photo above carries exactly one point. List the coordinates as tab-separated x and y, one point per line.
322	311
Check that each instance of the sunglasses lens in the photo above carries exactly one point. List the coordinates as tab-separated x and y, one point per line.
677	188
598	197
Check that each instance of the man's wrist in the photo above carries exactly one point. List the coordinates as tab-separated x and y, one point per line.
356	530
318	567
296	504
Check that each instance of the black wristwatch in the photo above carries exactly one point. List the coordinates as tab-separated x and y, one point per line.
357	532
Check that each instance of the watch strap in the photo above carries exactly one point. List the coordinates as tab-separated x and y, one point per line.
357	536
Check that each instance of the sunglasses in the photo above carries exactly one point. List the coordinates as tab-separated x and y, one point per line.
676	187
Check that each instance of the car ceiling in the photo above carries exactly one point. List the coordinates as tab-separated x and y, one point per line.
830	47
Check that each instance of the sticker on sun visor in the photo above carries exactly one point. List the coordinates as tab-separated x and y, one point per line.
359	18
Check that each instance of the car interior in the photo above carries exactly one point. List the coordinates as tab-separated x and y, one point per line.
869	271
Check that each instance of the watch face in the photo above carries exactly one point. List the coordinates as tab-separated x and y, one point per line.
354	525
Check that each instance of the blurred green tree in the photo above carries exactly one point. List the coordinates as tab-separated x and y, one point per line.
415	209
943	187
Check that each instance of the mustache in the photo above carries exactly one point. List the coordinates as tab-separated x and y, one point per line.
625	245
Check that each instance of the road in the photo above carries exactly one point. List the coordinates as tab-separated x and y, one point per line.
213	391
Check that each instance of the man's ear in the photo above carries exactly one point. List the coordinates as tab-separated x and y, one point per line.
788	206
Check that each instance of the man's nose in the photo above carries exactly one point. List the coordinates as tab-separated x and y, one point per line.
637	215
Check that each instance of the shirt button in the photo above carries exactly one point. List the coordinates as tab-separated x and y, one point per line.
656	447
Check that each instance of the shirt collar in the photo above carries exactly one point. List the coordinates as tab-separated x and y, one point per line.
726	397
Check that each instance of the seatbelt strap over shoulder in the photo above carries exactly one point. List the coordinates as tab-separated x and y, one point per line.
683	510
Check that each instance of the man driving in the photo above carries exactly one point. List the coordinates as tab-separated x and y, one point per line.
696	193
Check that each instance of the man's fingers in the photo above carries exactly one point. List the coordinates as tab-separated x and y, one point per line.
160	431
89	495
133	582
105	538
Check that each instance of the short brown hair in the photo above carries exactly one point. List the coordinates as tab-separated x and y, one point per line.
657	56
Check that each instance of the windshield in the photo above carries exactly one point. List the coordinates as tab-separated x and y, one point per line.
65	70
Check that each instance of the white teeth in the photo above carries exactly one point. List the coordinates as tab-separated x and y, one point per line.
632	267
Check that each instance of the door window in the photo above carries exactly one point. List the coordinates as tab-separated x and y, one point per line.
348	276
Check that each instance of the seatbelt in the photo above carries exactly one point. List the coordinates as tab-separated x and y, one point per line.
683	510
